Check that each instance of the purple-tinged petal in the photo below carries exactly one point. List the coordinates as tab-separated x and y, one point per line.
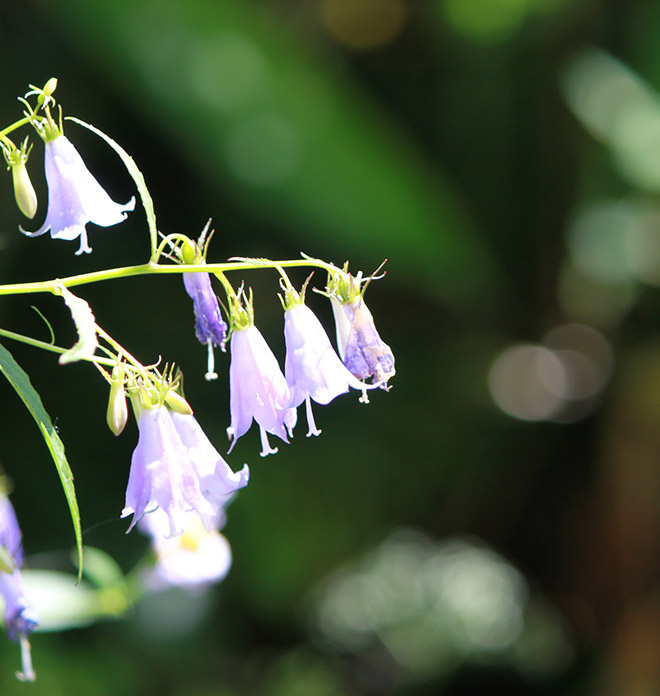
162	474
312	367
258	389
363	351
215	475
209	324
20	618
10	533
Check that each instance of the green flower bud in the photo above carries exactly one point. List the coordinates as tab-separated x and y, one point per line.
50	87
190	252
26	196
117	414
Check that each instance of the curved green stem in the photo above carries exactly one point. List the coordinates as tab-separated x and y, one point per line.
156	269
21	122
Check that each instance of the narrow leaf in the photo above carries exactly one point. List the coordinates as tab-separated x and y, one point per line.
21	382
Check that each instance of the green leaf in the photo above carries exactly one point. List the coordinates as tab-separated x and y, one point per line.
85	323
21	383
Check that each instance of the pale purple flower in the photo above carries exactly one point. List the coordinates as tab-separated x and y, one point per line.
361	349
258	390
162	473
312	368
176	468
197	558
216	478
20	617
75	197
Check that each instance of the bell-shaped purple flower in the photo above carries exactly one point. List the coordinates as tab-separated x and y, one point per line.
75	197
20	617
209	324
312	368
162	474
258	390
362	350
210	327
175	468
216	478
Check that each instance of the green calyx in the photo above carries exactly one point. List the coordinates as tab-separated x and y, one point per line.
241	310
344	287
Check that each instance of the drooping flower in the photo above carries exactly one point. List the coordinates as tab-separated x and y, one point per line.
20	617
312	368
210	327
258	390
360	347
209	324
362	350
196	558
217	479
175	468
75	197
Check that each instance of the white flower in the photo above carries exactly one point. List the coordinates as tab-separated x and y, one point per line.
196	558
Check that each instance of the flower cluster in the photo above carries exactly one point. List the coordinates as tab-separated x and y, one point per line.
313	371
179	486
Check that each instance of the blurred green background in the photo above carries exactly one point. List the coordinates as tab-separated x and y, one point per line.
492	524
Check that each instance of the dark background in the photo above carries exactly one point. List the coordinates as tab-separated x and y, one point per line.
454	536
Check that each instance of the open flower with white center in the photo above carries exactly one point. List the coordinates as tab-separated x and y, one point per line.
258	390
75	197
20	617
196	558
176	468
312	368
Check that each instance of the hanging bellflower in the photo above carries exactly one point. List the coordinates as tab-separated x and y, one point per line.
210	327
257	387
75	197
162	475
312	368
20	617
217	479
361	348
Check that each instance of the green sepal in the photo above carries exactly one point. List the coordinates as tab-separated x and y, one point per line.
19	379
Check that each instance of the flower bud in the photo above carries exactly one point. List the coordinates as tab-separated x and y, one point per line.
26	197
177	403
190	252
117	414
50	87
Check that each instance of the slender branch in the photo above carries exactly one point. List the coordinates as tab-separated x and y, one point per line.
156	269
